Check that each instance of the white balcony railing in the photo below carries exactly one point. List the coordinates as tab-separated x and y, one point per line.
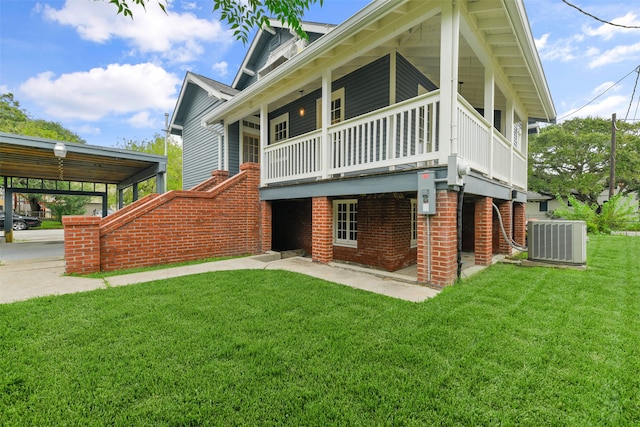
401	135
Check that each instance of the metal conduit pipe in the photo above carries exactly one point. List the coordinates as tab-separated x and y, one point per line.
513	244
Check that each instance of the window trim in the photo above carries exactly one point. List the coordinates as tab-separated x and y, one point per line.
250	131
336	94
350	243
543	206
283	118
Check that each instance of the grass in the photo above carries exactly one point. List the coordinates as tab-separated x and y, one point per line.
49	224
104	274
510	346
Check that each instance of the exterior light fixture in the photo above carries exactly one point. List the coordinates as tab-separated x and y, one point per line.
60	150
301	110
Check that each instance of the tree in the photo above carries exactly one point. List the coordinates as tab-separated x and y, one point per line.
14	119
174	162
573	158
67	205
243	15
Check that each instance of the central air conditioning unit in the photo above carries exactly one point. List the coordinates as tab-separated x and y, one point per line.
557	241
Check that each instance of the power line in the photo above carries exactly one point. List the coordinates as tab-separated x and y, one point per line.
590	102
633	93
598	19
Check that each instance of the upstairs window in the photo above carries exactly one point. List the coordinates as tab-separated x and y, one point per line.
280	128
337	108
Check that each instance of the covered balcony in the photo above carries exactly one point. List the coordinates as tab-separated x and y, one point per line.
420	80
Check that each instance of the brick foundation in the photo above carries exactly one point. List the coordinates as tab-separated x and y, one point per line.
519	223
483	247
506	213
439	240
322	230
384	233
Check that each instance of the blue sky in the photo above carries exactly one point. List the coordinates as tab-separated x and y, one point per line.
110	79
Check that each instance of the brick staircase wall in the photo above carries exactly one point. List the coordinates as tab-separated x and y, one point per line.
220	217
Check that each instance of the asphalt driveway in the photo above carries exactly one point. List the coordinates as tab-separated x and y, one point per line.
33	245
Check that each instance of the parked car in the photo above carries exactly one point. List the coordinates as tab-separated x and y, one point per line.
21	222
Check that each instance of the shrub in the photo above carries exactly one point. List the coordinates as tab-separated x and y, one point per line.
615	214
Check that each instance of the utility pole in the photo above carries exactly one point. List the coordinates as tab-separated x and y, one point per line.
612	158
166	142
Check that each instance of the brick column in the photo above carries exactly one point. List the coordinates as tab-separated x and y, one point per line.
483	220
519	223
322	230
442	244
81	244
266	220
507	221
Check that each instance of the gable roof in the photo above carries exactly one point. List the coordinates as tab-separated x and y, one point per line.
264	34
213	88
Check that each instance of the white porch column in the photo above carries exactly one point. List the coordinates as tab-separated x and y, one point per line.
326	121
226	146
508	131
264	141
449	47
392	76
489	107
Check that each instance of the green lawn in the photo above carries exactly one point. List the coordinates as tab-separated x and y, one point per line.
511	346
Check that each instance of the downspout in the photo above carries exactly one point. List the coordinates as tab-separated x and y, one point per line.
220	143
459	220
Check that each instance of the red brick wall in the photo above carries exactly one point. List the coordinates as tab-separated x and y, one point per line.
384	234
506	212
519	223
82	244
180	226
322	230
443	242
217	177
483	231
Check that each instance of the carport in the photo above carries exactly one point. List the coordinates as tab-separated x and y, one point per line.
44	166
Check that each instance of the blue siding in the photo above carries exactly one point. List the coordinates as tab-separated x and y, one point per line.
234	148
408	78
366	89
199	145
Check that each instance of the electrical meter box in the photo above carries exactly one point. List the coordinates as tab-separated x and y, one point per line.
427	193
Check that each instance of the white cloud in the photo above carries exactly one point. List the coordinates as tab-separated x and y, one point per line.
617	54
604	108
607	32
179	36
141	120
542	41
221	68
87	130
602	87
94	94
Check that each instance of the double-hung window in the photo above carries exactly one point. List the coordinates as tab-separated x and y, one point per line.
280	128
337	108
345	223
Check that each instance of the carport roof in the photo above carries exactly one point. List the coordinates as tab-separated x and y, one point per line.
31	157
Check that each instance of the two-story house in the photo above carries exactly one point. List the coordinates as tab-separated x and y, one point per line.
386	140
